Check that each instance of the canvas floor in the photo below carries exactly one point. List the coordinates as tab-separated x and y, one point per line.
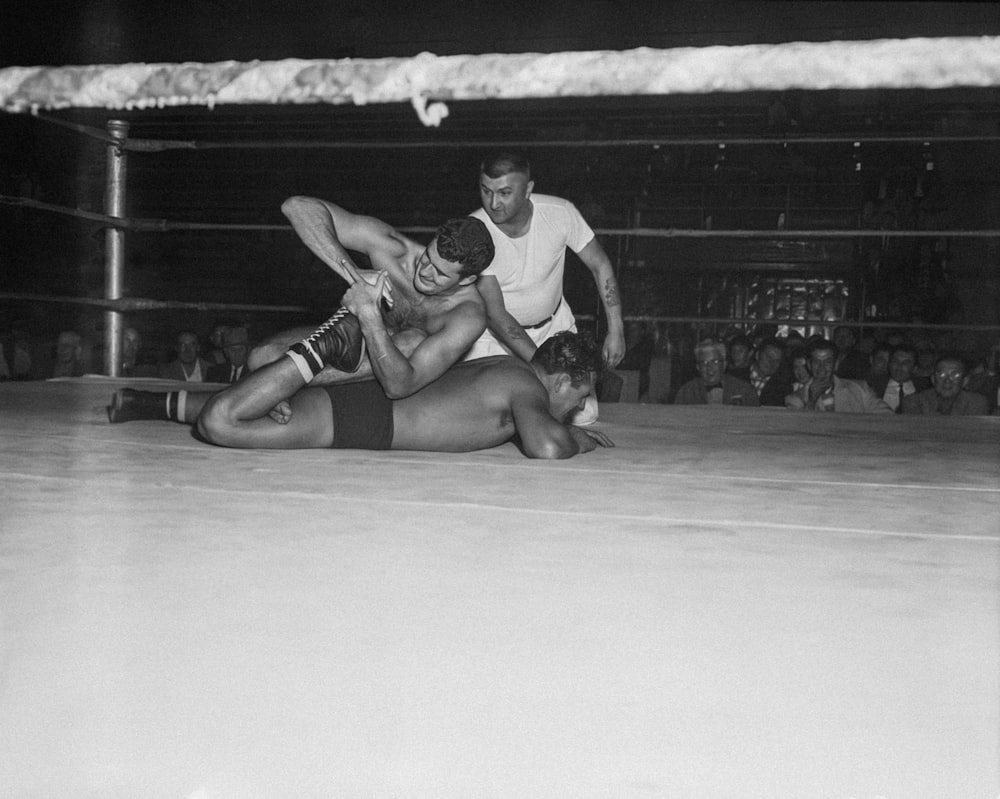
732	602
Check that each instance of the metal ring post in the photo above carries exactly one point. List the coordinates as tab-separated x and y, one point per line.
114	246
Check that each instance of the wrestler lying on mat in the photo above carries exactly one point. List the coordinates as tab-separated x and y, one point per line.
474	405
433	312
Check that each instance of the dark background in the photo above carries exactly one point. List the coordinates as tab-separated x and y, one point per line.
812	186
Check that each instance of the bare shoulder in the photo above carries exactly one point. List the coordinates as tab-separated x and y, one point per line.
467	305
388	248
506	375
464	309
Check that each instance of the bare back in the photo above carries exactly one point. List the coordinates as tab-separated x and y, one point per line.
470	407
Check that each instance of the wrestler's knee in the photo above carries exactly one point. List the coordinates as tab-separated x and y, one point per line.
271	349
264	354
215	420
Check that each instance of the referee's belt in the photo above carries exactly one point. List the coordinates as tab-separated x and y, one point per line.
546	320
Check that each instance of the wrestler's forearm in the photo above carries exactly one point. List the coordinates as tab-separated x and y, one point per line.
391	368
556	446
313	223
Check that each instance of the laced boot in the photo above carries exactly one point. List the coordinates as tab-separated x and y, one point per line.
338	342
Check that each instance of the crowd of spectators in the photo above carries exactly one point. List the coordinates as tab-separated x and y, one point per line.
71	353
898	372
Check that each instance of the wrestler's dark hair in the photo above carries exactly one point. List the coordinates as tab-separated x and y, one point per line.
502	162
466	241
576	354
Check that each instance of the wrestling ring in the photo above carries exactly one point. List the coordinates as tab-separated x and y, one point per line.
731	602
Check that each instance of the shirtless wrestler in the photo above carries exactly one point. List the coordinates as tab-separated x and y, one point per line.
436	312
474	405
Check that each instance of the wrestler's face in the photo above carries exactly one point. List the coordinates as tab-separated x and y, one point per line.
565	399
506	198
433	274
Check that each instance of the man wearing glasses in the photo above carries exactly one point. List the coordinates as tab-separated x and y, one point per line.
947	395
713	386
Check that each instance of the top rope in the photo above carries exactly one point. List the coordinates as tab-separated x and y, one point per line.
426	80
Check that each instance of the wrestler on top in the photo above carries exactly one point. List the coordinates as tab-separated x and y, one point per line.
417	309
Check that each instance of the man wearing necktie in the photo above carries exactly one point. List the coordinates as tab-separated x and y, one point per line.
236	348
900	382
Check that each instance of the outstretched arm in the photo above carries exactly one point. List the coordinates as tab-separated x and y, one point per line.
502	325
597	261
329	231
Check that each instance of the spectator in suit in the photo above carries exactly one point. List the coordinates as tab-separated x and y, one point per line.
214	352
133	365
189	366
236	348
800	369
852	363
827	392
947	396
769	375
900	381
878	368
738	352
983	376
713	386
69	355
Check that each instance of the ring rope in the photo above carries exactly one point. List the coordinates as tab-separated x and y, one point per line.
927	63
154	145
164	225
699	320
131	304
126	305
161	145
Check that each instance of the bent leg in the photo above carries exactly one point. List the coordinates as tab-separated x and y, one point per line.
238	416
272	349
130	405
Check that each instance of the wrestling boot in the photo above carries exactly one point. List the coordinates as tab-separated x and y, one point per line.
129	405
338	342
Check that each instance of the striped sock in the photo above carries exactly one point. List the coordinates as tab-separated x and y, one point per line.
305	360
176	405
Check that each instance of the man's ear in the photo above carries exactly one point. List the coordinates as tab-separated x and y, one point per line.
530	188
563	381
468	280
